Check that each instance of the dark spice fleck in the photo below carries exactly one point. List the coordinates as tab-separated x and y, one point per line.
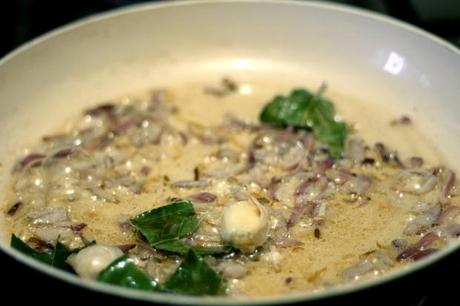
288	280
166	178
403	120
437	170
196	174
145	170
368	161
229	84
381	149
13	209
317	233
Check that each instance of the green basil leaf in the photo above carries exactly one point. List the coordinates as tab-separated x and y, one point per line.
301	109
56	258
195	277
164	227
59	257
172	221
122	272
23	247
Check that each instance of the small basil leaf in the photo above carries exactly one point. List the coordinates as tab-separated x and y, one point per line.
165	226
311	112
56	258
122	272
174	220
24	248
59	257
195	277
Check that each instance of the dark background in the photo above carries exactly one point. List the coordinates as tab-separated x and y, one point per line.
22	20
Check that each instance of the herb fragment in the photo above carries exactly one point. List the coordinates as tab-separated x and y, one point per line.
301	109
122	272
55	257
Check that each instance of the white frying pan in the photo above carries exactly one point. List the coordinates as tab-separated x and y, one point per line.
366	56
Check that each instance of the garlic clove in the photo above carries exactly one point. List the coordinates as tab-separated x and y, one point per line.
245	225
90	261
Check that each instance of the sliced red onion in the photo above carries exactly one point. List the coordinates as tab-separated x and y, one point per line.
203	197
298	211
452	230
52	233
323	165
278	225
448	214
424	253
426	240
232	121
293	157
319	211
358	184
414	251
232	269
190	184
144	245
313	191
273	187
302	188
238	195
387	156
29	160
48	215
424	220
77	227
415	162
355	150
447	187
125	224
416	181
308	141
339	176
399	244
121	126
125	248
106	108
64	153
382	152
356	271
